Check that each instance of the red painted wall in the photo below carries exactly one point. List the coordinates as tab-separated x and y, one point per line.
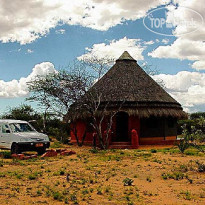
134	124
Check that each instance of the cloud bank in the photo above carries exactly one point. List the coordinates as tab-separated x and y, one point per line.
190	46
115	48
188	88
24	21
19	88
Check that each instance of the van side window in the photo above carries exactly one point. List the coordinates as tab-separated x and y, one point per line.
4	128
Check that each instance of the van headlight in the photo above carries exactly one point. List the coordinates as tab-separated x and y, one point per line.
46	138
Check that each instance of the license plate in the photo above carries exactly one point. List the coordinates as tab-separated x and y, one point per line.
39	145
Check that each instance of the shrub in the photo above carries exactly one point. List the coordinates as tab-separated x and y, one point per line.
57	196
1	163
94	151
201	166
62	172
2	175
174	175
183	145
127	181
153	151
99	191
6	154
85	191
149	179
32	177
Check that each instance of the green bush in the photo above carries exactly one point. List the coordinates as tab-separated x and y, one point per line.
153	151
201	166
58	196
127	181
183	145
6	154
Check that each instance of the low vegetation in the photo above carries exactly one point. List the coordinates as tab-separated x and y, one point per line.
140	176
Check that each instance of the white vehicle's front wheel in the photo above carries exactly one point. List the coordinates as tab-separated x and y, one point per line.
15	149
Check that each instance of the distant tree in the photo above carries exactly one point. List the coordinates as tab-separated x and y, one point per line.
24	112
39	94
197	115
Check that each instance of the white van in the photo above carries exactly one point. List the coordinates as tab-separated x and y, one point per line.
19	136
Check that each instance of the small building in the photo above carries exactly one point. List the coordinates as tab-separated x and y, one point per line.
148	114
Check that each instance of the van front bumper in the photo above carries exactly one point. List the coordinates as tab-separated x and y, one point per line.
33	146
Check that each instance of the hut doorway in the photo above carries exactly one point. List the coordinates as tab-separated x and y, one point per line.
122	127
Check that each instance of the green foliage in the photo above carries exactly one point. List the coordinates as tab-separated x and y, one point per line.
32	176
195	137
54	126
186	194
127	181
5	154
197	121
1	163
59	133
148	179
201	166
183	145
94	151
23	112
99	190
197	115
153	151
174	175
2	175
58	196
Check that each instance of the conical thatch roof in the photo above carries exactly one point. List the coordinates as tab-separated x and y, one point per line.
127	82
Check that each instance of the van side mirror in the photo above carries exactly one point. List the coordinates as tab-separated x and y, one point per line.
8	131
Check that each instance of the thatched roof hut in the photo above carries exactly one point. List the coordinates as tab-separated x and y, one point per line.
127	82
145	105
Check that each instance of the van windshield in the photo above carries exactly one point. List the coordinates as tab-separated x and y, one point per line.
21	127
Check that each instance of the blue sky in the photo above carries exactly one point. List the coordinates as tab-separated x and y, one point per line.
61	42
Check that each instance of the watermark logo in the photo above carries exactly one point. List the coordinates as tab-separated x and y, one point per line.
173	21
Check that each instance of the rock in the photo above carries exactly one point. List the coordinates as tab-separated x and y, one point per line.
60	150
18	156
67	152
50	153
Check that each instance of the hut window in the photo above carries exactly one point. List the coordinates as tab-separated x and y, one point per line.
152	123
170	122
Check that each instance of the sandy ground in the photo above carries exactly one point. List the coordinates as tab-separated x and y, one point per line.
98	178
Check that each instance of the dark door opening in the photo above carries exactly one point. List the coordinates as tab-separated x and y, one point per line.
122	127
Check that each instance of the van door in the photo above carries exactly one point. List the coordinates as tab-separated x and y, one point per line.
5	136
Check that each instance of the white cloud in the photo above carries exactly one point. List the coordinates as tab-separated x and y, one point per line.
183	49
188	88
165	41
149	42
34	19
115	48
19	88
190	46
29	51
60	31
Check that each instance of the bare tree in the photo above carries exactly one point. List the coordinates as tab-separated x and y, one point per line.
99	65
39	94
